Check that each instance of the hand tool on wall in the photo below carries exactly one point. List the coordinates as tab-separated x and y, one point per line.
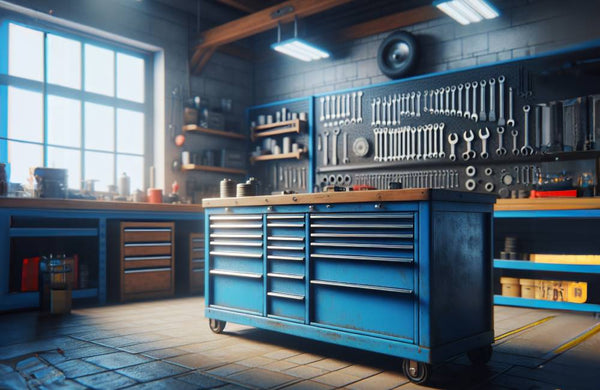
482	113
492	113
484	137
511	121
441	154
501	120
526	150
459	112
452	140
474	115
468	136
373	113
327	107
360	113
452	99
334	142
325	151
345	160
353	120
322	100
515	149
501	151
425	95
467	113
418	114
447	110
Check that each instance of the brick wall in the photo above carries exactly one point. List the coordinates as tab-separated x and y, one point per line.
524	28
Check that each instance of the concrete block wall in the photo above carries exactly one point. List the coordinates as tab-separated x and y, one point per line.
526	27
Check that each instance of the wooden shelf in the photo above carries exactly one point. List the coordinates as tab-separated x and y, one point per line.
208	168
194	129
296	155
293	126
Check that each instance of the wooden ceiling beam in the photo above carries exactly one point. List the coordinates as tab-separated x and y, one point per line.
258	22
390	22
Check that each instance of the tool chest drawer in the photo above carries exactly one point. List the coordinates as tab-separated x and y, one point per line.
136	262
147	248
196	265
147	280
147	234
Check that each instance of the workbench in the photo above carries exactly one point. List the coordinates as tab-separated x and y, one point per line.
550	225
406	273
54	224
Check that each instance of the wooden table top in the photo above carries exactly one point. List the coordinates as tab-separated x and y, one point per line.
80	204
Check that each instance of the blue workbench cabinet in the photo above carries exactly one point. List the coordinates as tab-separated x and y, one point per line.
406	273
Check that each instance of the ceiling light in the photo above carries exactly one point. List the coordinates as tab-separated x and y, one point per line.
467	11
298	48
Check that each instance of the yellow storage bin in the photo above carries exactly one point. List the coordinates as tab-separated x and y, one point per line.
561	291
527	288
510	287
564	259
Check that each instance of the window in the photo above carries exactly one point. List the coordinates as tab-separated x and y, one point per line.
70	102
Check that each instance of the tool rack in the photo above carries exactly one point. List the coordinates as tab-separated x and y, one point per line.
406	273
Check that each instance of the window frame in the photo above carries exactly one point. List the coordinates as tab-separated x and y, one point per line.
80	95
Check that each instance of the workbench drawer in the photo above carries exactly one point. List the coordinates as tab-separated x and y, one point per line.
147	249
364	309
147	280
146	235
147	262
286	305
237	290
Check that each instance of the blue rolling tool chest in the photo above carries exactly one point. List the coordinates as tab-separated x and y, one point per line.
406	273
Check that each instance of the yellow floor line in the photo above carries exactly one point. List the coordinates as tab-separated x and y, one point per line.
579	339
521	329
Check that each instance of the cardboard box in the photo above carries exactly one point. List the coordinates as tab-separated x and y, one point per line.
60	301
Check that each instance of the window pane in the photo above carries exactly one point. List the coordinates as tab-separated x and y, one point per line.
64	121
130	78
25	115
64	61
134	167
130	131
99	127
99	70
25	52
21	157
101	167
68	159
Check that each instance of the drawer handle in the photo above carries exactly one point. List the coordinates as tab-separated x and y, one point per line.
198	270
286	296
136	258
237	254
147	229
148	244
285	248
285	217
363	258
361	286
362	235
361	226
236	217
220	235
286	225
198	261
237	243
249	275
361	216
236	226
290	258
285	276
139	271
285	238
366	246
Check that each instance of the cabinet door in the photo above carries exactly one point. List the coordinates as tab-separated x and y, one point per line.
362	272
236	267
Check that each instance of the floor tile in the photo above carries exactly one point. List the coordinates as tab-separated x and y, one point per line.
164	384
151	371
280	365
308	385
196	360
360	371
200	380
262	379
227	370
165	353
113	361
329	364
105	380
304	358
381	381
306	372
76	368
336	379
282	354
256	361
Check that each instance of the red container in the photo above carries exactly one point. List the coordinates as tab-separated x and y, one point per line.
30	274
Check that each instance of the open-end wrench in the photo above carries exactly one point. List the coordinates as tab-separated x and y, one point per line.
430	141
353	120
376	142
501	120
467	112
378	111
511	119
404	105
345	110
515	149
419	145
501	151
434	154
346	160
325	152
441	153
526	150
482	113
431	93
426	139
386	149
425	95
338	107
517	171
322	100
346	114
474	115
459	112
413	149
360	113
403	143
389	111
383	110
492	113
447	110
413	111
452	99
373	112
436	110
418	114
442	111
394	121
452	140
468	136
327	113
484	137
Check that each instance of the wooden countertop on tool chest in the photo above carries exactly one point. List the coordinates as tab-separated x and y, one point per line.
352	197
547	204
98	205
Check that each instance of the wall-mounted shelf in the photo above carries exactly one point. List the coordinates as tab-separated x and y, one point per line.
194	129
551	267
543	304
296	155
208	168
53	232
292	126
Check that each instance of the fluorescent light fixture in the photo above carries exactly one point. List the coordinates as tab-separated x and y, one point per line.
467	11
299	49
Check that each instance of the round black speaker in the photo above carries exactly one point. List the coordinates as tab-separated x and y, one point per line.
398	54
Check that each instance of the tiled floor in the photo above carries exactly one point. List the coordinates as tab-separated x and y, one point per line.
167	344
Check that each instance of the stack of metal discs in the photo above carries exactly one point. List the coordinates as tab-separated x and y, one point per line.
227	188
511	249
245	189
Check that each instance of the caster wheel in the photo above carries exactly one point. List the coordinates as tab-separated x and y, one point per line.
216	326
416	372
480	356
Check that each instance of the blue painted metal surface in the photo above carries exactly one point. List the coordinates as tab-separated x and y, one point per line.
542	304
351	274
530	266
589	213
